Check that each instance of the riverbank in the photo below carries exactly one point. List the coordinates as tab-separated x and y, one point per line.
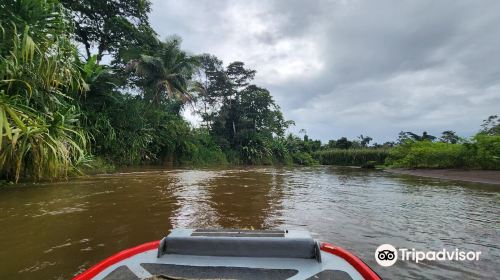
473	176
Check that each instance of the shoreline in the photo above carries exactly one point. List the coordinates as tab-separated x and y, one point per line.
491	177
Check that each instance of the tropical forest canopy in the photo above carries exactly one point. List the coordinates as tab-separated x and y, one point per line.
63	111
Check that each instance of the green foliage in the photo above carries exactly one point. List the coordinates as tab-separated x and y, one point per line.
204	151
449	136
298	151
280	152
482	152
109	26
426	154
303	158
243	118
404	136
364	140
256	149
130	131
42	22
491	126
173	140
351	157
121	133
40	134
167	73
343	143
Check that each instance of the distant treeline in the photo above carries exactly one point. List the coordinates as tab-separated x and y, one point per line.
412	150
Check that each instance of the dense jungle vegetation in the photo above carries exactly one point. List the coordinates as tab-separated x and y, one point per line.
88	85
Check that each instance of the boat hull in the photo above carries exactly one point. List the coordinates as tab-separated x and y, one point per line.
146	261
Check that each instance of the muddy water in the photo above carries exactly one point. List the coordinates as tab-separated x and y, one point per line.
54	230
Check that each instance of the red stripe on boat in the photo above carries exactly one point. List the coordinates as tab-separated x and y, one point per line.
125	254
356	262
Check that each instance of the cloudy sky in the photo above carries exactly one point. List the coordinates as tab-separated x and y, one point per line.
345	68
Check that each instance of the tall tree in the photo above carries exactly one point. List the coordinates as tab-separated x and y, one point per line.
259	111
219	87
449	136
364	140
239	75
241	116
491	125
105	26
210	85
343	143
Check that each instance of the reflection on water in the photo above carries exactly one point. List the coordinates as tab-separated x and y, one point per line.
53	230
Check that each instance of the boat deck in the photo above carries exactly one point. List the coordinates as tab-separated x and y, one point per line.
232	254
146	265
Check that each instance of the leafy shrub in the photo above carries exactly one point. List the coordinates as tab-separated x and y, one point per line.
280	152
426	154
484	152
40	134
204	151
303	158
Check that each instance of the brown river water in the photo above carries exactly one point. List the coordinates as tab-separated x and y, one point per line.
55	230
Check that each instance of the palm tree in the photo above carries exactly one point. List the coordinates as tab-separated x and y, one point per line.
167	73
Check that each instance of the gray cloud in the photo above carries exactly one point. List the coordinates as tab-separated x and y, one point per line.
342	68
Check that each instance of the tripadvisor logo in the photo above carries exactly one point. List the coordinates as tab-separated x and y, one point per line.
387	255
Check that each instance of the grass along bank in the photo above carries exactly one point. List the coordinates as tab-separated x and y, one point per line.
352	157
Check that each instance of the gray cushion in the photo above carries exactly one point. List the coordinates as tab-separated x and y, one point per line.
247	244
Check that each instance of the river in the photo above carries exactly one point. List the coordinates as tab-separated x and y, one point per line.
54	230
